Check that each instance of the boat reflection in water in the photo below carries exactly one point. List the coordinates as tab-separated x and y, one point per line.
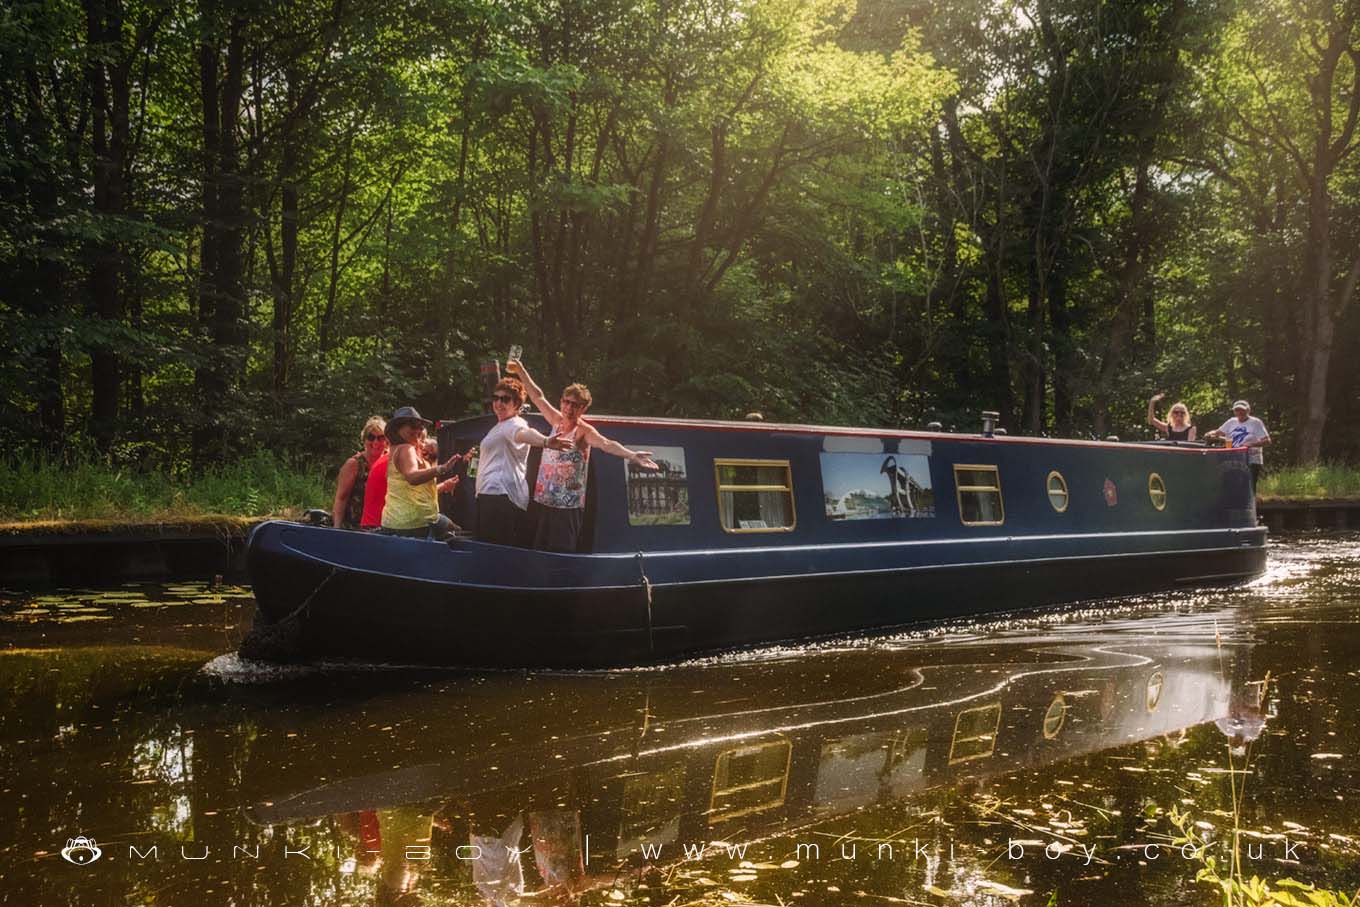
637	767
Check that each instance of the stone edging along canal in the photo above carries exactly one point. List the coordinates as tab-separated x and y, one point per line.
1323	513
100	551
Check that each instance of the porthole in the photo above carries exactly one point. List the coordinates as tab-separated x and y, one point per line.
1054	717
1057	491
1154	690
1157	491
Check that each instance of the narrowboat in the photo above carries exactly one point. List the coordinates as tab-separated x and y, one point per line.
756	533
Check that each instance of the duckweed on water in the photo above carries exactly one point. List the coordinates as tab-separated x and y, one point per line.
76	605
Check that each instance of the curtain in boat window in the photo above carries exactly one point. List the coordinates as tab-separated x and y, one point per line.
755	495
727	510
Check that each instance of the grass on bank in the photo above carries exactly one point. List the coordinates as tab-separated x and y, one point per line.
33	492
1300	483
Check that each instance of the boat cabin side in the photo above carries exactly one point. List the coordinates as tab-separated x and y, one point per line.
738	485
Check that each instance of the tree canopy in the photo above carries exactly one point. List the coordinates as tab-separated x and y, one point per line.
230	224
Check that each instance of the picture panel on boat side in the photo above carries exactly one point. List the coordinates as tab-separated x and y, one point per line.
659	497
877	486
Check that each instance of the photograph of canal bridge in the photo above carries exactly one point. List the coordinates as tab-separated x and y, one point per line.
923	603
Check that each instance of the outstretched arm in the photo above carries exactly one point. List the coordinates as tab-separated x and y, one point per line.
538	439
535	392
640	458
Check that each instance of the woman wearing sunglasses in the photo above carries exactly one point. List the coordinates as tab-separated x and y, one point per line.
348	510
502	492
1178	428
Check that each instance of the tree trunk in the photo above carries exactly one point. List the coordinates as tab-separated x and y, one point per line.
228	327
286	282
45	295
207	384
547	317
1129	288
998	343
1319	326
1330	145
221	291
1033	416
324	338
109	132
1064	352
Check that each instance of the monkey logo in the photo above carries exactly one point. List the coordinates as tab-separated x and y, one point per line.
81	851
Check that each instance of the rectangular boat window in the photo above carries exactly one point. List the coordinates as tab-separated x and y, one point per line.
755	495
659	497
975	733
979	491
650	810
749	779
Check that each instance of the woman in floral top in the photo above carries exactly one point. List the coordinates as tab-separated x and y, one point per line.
560	490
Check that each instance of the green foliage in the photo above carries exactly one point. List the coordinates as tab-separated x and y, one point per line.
1241	891
1330	481
820	209
256	485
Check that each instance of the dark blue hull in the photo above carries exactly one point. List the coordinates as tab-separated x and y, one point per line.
751	535
469	604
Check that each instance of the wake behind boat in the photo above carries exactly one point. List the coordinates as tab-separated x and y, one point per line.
760	533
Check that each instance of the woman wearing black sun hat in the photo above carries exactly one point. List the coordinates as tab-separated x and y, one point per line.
414	482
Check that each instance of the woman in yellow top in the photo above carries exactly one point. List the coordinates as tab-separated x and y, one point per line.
413	482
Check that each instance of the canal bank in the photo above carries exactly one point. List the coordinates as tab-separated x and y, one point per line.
1325	513
89	552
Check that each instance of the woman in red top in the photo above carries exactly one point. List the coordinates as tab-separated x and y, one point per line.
375	493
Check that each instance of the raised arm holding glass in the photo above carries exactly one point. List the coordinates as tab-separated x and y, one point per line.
561	487
502	492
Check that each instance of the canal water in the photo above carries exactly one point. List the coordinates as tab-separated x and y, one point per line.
1077	757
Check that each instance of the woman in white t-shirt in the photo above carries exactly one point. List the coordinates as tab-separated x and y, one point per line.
502	492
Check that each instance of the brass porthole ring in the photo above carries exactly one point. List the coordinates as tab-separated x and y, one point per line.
1157	491
1055	717
1058	497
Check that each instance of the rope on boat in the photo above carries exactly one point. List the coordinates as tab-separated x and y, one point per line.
647	590
281	640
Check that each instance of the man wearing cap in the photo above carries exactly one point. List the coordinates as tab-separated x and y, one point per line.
1245	430
413	482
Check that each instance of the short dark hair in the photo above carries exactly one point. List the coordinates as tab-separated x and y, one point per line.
514	388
